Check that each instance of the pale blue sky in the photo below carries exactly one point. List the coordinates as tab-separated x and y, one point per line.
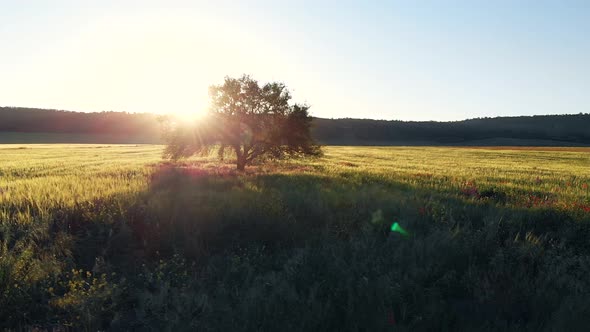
409	60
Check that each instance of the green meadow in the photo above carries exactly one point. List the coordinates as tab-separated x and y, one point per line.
96	237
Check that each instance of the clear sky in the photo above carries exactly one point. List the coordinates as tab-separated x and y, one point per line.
410	60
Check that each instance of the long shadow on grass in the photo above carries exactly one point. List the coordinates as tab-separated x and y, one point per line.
467	263
200	212
267	247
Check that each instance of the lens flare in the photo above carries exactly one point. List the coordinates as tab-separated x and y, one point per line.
395	227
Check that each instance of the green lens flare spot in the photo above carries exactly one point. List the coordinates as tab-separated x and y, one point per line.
395	227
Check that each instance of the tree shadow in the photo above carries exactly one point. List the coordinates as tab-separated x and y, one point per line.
484	261
208	210
202	211
468	260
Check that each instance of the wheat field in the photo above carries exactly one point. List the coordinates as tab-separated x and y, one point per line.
111	237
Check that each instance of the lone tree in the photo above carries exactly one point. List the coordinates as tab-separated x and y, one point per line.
253	120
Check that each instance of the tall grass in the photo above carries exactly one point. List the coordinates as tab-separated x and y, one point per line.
109	237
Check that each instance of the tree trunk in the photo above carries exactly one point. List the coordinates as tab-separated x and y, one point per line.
241	163
240	157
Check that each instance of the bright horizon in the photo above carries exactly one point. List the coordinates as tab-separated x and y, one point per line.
382	60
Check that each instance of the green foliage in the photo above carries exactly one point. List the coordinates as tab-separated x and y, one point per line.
107	237
255	121
83	300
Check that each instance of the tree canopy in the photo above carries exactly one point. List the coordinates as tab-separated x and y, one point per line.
252	120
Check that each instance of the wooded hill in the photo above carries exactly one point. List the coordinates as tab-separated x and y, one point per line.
30	125
522	130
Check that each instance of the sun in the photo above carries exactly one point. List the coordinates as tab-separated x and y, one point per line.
189	117
192	115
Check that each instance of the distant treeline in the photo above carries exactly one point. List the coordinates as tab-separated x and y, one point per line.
35	120
122	127
523	130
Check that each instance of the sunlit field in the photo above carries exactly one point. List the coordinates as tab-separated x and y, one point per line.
111	237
